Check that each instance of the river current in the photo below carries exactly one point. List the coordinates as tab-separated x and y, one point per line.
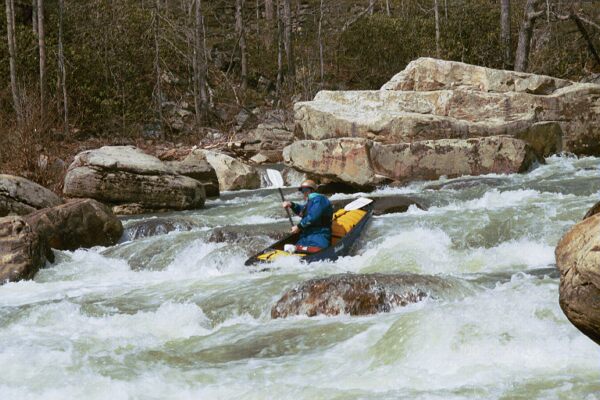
176	316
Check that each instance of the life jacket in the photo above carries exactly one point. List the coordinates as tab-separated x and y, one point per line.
326	216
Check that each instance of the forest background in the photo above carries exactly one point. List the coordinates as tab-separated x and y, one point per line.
80	73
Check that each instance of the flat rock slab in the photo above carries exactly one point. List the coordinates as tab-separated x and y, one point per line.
125	175
360	294
20	196
364	164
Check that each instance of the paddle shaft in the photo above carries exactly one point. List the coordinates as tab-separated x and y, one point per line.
287	209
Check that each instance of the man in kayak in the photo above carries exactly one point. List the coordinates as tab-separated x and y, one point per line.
316	214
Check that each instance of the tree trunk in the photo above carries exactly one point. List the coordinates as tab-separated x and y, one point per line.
371	6
158	95
287	35
525	34
269	10
280	50
436	10
12	54
199	65
61	66
42	49
505	33
320	34
239	31
34	23
387	8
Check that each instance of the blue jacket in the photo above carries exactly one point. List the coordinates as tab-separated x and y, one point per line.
315	225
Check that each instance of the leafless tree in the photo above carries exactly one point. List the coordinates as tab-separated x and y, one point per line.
505	33
436	11
62	73
12	55
158	95
42	51
320	37
239	30
199	66
269	10
532	13
287	37
34	17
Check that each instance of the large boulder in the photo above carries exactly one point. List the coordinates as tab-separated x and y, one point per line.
578	261
20	196
435	99
232	174
124	175
364	163
22	250
77	223
359	294
197	167
269	139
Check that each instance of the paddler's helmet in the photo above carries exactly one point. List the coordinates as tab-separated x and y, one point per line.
308	184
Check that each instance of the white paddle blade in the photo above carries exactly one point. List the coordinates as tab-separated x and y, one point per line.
275	178
358	204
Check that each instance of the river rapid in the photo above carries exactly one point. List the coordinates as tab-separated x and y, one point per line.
175	316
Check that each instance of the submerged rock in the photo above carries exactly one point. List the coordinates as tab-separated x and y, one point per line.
124	175
387	204
155	226
578	260
75	224
360	294
22	250
20	196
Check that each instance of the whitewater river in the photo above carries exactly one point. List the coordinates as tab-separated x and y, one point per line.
175	316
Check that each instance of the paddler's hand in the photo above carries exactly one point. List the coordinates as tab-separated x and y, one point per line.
295	229
286	204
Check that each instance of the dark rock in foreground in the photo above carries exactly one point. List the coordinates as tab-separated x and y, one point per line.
22	250
75	224
156	226
387	204
578	260
592	211
358	294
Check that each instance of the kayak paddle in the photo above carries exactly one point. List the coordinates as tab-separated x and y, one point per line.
277	181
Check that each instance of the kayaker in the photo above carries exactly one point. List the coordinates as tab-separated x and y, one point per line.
316	214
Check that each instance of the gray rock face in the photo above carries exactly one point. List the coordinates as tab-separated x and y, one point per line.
358	294
231	173
124	174
364	163
22	251
197	167
20	196
578	261
76	224
435	99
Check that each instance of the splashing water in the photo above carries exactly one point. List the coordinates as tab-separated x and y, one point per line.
176	316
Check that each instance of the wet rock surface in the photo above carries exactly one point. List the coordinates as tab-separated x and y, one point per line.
22	251
360	294
197	167
20	196
578	260
592	211
124	175
76	224
387	204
